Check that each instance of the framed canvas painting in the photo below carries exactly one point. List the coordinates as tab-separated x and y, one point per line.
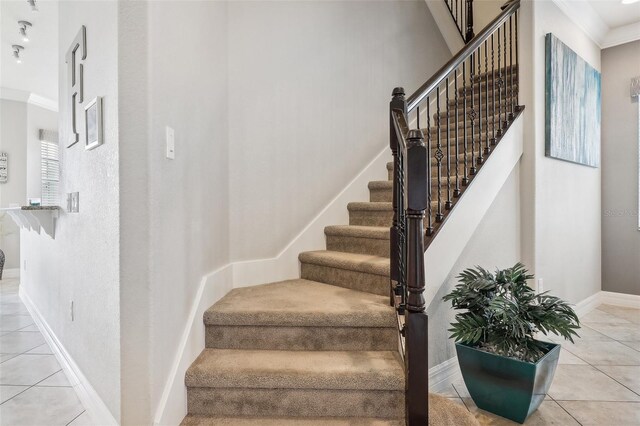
572	116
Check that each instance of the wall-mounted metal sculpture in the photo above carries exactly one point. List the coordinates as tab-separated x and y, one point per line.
76	54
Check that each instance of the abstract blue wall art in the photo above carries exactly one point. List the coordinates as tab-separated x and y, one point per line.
572	125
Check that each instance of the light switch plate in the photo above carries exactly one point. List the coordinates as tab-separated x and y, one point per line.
171	143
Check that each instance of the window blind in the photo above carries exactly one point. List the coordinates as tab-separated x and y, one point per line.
49	167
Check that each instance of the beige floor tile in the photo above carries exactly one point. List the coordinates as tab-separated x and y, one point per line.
604	413
449	392
58	379
604	353
461	388
8	392
6	357
31	327
43	349
549	413
19	342
584	382
633	344
627	332
585	333
13	309
567	357
27	370
41	406
83	420
625	374
14	322
629	314
598	316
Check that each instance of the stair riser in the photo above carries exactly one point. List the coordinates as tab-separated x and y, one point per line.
295	403
354	280
370	218
301	338
387	195
372	246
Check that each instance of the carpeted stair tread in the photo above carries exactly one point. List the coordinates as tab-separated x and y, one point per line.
267	369
375	265
373	232
286	421
301	303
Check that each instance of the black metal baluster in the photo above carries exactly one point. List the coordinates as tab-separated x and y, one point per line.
511	82
506	81
499	77
439	155
480	115
493	83
418	117
448	204
517	99
397	232
465	178
456	191
472	115
429	177
487	142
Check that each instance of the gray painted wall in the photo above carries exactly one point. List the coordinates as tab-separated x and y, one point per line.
620	234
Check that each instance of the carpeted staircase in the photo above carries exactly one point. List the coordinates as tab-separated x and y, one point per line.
322	349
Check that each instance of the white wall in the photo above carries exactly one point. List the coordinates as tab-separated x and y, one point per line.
37	118
562	203
188	196
13	136
309	86
499	231
82	264
620	234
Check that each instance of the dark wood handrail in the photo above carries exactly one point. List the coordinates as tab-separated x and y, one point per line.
418	96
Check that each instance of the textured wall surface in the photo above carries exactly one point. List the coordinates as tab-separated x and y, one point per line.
309	87
620	234
82	263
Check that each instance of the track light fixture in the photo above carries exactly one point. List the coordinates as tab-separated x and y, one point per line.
16	52
32	3
23	29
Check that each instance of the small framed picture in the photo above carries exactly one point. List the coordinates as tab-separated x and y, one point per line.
93	123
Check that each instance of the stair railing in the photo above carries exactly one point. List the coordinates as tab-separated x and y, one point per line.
462	14
474	99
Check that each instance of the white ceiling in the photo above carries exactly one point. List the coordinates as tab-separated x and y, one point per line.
38	72
615	14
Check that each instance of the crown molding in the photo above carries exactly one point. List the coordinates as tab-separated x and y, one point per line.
16	95
584	16
622	35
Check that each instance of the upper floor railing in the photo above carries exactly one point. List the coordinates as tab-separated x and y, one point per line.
440	136
462	14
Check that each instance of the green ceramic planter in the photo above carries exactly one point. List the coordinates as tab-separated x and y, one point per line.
505	386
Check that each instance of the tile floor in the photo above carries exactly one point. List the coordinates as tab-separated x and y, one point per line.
597	381
34	390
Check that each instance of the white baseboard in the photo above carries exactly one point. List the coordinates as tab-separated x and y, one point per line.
11	273
444	374
606	298
88	396
173	403
285	265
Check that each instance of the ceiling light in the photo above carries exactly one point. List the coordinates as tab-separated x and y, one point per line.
629	1
32	3
16	52
23	29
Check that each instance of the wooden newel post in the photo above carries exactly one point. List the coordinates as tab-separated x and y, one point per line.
469	30
398	102
416	333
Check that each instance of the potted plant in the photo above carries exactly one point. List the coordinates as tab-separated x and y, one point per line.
505	368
